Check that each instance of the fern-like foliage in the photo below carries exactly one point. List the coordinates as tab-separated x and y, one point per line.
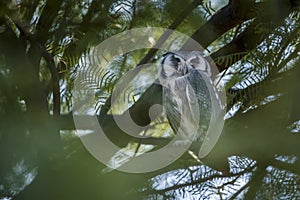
69	32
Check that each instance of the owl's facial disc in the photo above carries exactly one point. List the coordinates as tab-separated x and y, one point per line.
173	66
194	62
181	66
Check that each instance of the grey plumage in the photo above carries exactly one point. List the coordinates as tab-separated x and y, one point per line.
185	77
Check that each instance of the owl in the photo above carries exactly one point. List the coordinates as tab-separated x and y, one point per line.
187	95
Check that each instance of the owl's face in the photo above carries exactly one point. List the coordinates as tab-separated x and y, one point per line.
179	64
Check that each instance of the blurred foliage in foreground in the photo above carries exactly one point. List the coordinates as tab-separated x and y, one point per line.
257	50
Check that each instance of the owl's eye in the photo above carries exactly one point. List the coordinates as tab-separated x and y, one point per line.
175	59
195	61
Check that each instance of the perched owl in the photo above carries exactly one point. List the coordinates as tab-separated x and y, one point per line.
187	95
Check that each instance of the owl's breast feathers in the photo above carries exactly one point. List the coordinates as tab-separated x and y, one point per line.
187	103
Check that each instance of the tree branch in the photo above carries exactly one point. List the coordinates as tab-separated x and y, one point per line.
233	14
161	40
255	33
50	61
246	41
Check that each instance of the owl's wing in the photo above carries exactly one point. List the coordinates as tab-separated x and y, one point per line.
172	109
201	106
